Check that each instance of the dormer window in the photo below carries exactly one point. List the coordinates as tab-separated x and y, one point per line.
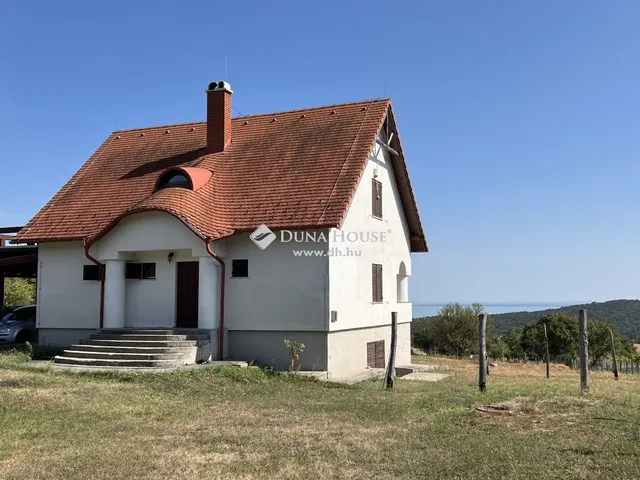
191	178
175	179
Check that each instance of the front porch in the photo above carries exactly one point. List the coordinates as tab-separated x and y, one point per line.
182	293
158	275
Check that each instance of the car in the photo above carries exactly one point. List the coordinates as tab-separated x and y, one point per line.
19	326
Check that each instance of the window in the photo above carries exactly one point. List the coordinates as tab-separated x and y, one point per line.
174	178
90	272
240	268
376	198
148	271
375	354
376	283
22	314
140	271
133	271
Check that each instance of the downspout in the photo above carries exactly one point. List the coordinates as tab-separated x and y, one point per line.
222	275
101	273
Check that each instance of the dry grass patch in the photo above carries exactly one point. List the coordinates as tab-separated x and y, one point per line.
250	423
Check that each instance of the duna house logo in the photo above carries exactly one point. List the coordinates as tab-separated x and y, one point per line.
262	236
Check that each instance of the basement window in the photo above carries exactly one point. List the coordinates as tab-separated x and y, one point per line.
140	271
90	272
240	268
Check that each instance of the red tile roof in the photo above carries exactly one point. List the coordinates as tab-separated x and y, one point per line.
296	169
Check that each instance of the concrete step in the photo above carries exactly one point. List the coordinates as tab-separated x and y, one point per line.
122	356
147	337
403	370
139	343
126	349
92	362
156	331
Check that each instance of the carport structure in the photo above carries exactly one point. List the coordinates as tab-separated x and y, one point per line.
17	260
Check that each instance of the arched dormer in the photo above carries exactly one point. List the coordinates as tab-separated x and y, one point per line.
191	178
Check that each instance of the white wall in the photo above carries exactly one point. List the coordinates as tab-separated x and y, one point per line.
64	299
348	349
152	303
148	231
350	276
282	292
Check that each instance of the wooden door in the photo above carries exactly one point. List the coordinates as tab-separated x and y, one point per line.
187	295
375	354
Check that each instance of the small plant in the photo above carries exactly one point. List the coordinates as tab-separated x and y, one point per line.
295	349
28	349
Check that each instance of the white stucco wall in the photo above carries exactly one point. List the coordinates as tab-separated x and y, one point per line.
350	276
148	231
347	349
64	299
152	303
282	292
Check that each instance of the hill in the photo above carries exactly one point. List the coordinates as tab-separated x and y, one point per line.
624	314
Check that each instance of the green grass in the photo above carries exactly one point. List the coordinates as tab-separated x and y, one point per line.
249	423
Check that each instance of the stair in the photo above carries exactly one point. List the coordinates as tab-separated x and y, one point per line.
138	348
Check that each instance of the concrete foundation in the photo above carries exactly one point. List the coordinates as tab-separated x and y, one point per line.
348	348
268	348
63	337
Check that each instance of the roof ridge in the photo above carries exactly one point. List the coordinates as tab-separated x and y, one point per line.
369	101
319	107
158	126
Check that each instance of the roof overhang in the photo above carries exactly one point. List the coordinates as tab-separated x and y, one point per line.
418	239
19	261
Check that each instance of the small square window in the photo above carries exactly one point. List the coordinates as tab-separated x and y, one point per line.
148	271
90	272
133	271
240	268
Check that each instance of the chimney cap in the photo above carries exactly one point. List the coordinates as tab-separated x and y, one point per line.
221	85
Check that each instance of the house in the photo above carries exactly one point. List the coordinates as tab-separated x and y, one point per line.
293	225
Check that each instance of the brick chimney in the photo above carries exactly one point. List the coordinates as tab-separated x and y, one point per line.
218	116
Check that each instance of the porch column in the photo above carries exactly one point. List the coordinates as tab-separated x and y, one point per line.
208	293
1	291
114	294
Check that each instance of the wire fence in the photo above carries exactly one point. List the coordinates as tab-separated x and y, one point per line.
606	365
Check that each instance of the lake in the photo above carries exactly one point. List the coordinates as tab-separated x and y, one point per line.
431	309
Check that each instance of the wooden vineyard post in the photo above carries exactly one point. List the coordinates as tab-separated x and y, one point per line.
392	356
546	347
584	352
482	352
613	353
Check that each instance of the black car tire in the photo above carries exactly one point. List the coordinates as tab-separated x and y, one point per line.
23	336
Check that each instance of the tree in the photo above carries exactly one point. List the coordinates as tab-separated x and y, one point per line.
497	347
19	291
513	341
600	342
563	332
455	329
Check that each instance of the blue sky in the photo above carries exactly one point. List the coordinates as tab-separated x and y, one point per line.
519	120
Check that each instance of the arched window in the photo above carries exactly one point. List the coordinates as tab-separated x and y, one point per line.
403	284
173	179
